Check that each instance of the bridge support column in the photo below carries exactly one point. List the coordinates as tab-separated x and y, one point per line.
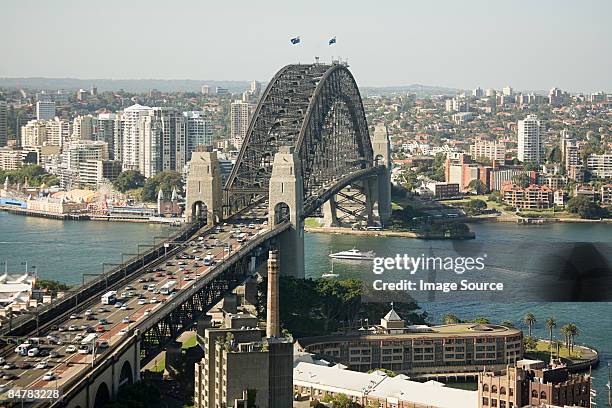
286	203
382	156
204	197
330	214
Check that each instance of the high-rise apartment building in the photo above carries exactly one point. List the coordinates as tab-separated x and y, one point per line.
45	110
529	143
162	141
457	105
131	140
198	131
83	127
45	133
600	165
507	91
477	92
240	113
104	131
3	124
557	97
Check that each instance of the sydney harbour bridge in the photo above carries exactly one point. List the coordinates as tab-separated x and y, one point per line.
308	152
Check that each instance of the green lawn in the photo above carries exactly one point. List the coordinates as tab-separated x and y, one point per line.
190	342
159	364
542	352
312	223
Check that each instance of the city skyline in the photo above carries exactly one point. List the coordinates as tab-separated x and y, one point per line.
447	45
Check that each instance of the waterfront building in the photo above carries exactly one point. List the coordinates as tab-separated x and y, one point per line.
162	141
53	132
569	150
533	383
45	110
420	351
240	113
529	143
504	175
532	197
600	165
198	131
12	158
130	138
316	380
52	205
606	195
488	149
3	124
16	293
443	190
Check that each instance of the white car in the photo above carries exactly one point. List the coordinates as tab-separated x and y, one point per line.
73	316
33	352
42	365
153	300
49	376
122	332
147	312
142	302
2	360
72	327
118	305
103	344
71	349
88	312
125	320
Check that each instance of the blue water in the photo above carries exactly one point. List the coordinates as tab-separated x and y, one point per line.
64	250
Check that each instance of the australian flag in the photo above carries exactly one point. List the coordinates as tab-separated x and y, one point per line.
295	40
332	41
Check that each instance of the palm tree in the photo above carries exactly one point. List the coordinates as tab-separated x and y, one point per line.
530	321
573	333
551	323
565	330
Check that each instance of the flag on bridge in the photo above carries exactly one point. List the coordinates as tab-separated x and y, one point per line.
332	41
295	40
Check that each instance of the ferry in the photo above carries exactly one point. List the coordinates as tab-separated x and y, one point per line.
354	254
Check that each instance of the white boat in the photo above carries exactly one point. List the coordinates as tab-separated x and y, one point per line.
330	274
354	254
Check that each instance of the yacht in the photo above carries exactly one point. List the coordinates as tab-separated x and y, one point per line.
331	274
354	254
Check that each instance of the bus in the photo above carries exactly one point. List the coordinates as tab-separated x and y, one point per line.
167	288
109	297
89	339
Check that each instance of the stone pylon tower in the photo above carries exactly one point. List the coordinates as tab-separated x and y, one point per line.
204	197
382	156
286	203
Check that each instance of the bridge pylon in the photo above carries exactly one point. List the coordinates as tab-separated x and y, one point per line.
381	147
204	197
286	203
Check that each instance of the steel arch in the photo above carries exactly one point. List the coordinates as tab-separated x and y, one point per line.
315	108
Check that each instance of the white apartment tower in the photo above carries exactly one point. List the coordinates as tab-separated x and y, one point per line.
529	144
163	141
83	128
198	131
3	124
45	110
130	136
240	113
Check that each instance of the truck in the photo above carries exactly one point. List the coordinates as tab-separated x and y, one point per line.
89	339
109	297
168	287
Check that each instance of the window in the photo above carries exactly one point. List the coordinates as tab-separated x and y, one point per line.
485	388
502	404
493	402
534	394
494	389
511	391
485	401
542	395
502	391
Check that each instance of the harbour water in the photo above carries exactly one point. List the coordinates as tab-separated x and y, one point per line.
63	250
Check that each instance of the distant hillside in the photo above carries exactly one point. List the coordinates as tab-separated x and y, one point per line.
420	90
129	85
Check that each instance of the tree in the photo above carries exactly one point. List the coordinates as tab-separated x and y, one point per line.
551	323
565	330
573	332
477	186
475	207
507	323
585	208
530	343
341	401
530	321
129	180
450	319
165	181
522	180
481	320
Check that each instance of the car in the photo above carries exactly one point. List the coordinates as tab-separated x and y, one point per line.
78	337
2	360
103	344
129	287
88	312
24	365
118	305
83	327
140	280
42	365
102	321
122	332
125	320
90	329
147	312
4	387
102	310
49	376
84	349
9	377
187	278
62	328
71	349
124	307
91	317
74	316
33	352
43	352
73	327
153	300
159	275
53	339
100	328
142	302
8	366
53	354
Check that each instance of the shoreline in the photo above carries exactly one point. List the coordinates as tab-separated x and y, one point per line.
385	233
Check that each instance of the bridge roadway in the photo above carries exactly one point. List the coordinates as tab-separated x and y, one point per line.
23	373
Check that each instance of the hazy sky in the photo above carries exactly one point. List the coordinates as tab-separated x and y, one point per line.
534	44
